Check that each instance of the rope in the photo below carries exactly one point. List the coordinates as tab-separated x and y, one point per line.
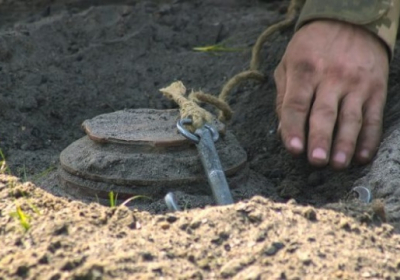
233	82
189	107
212	100
294	6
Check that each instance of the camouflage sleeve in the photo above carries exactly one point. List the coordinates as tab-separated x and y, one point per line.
379	16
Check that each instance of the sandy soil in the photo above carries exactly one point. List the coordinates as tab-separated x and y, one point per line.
62	62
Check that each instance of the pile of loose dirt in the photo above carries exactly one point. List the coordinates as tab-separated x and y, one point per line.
255	239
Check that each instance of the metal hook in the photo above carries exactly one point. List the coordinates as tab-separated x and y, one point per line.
171	203
180	125
363	194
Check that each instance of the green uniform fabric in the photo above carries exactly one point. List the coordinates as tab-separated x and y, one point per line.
378	16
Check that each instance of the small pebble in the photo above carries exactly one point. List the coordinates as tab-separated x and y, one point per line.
274	248
345	225
310	214
171	219
304	257
378	206
164	225
291	201
195	224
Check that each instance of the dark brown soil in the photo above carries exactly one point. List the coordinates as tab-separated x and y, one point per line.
62	62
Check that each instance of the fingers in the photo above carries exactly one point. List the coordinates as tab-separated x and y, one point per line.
344	112
322	123
357	117
371	131
359	125
295	107
349	124
280	82
355	64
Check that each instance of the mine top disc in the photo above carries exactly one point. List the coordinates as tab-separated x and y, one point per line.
149	127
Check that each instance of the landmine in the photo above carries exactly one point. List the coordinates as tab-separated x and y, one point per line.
140	152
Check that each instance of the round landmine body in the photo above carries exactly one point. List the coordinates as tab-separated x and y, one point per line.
140	152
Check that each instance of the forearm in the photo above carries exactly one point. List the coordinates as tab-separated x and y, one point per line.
381	17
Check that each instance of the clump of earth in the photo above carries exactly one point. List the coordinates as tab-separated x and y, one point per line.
64	62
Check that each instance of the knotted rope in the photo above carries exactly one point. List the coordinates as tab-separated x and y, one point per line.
189	106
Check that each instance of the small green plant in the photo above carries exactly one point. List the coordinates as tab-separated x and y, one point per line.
21	217
113	199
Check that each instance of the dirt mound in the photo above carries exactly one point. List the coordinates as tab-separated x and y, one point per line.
255	239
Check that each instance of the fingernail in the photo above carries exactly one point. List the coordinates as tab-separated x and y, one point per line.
319	154
365	154
340	157
296	143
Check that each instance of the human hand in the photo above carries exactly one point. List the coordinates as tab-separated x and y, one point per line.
333	80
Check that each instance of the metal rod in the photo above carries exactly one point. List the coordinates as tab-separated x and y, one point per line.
212	166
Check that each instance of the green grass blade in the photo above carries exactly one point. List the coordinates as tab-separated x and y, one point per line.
217	48
134	198
113	199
